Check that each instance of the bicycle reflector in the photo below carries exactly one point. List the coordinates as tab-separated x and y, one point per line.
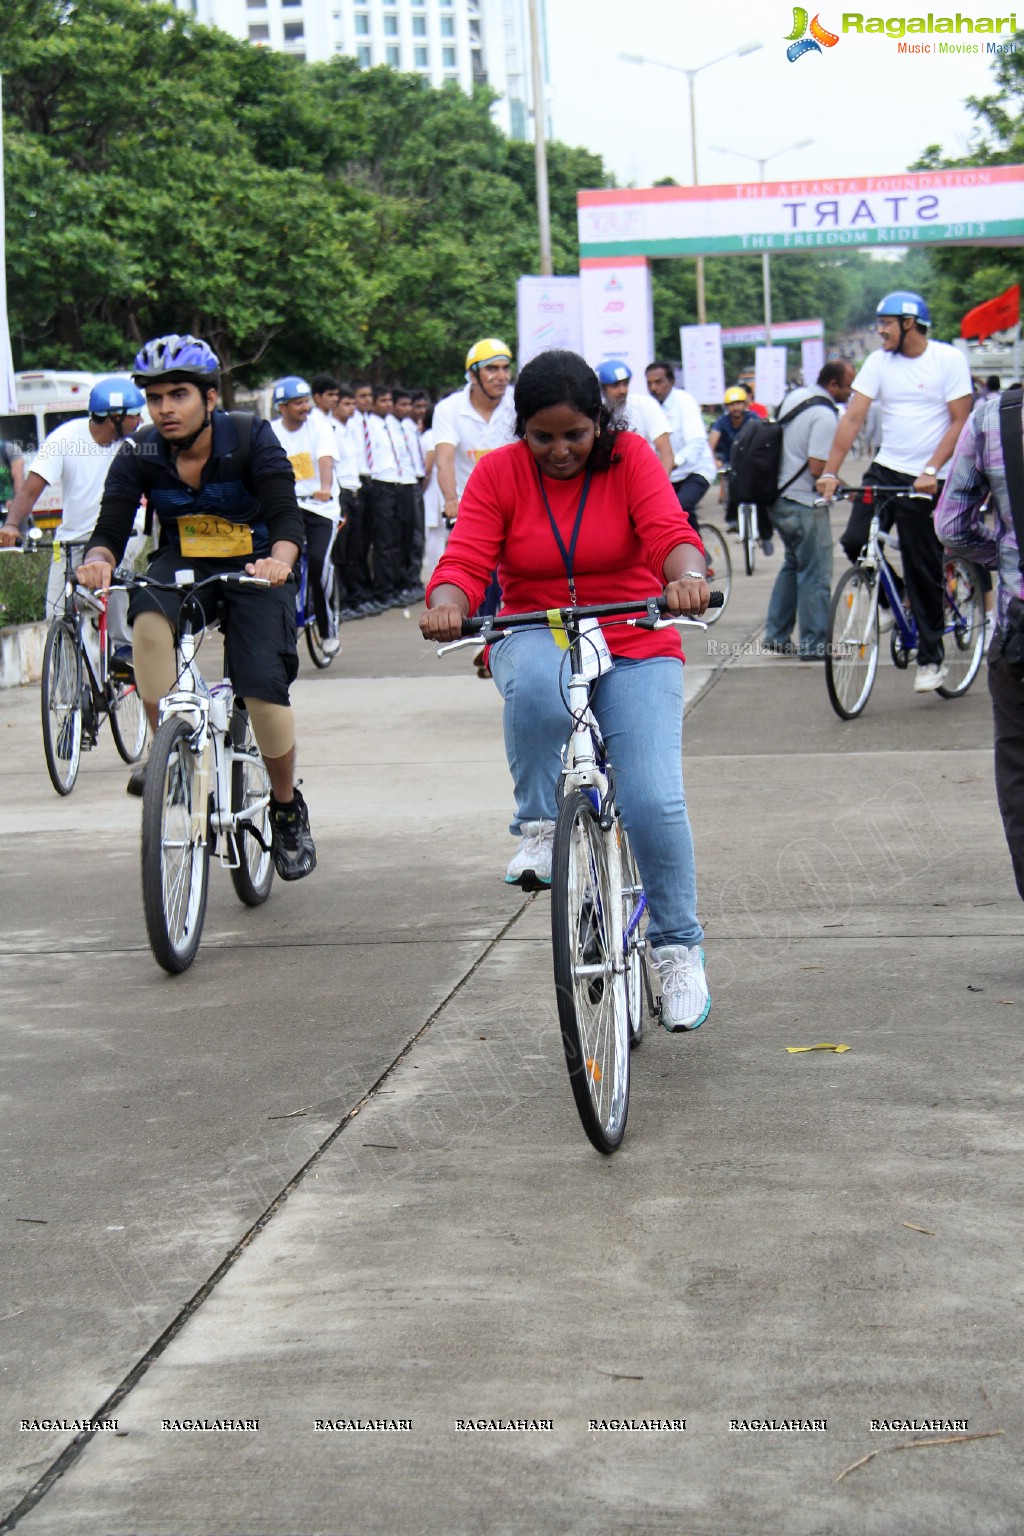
867	495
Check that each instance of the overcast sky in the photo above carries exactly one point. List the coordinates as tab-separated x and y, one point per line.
868	109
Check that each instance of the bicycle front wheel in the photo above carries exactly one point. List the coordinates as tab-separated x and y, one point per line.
61	699
851	657
590	982
175	851
748	524
250	784
317	655
963	606
634	929
719	567
128	723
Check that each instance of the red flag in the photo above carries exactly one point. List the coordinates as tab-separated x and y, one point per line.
998	314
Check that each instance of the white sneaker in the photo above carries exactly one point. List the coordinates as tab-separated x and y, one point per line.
331	646
885	620
929	677
685	998
531	866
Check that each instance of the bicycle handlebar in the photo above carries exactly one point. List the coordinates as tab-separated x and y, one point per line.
871	494
185	580
492	627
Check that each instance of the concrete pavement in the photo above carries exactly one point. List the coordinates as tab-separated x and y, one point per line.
334	1173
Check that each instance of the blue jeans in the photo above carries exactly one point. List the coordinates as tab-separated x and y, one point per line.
803	584
639	706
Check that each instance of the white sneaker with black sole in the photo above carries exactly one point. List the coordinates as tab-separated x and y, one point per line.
530	866
930	676
685	996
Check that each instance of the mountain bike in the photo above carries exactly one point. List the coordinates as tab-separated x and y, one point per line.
77	692
746	525
851	656
207	790
598	903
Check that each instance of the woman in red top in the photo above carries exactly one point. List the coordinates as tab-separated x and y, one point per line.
576	504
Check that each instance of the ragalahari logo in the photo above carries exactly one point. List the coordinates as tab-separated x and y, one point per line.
800	43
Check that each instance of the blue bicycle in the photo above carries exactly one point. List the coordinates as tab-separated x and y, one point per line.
320	654
851	658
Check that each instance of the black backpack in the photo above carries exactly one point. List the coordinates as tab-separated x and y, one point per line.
757	453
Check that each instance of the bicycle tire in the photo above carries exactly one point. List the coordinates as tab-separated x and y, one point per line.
749	537
61	701
250	781
635	943
719	562
590	982
175	857
315	646
851	655
963	627
128	723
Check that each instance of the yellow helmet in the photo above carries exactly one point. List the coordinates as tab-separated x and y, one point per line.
736	393
489	350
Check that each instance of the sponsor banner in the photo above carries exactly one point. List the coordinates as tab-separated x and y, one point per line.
970	206
549	314
703	367
8	395
785	330
812	359
769	375
618	313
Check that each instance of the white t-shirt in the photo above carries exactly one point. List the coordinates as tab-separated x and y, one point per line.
305	448
643	415
346	454
914	393
458	422
689	436
71	456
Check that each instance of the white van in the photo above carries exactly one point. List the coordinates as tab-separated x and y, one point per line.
45	399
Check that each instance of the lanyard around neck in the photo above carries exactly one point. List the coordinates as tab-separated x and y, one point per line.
568	555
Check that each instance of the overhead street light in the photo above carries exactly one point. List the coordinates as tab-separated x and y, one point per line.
766	272
691	75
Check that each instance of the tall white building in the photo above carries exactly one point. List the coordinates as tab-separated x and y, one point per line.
467	41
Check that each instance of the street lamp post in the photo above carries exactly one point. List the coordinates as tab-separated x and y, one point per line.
691	74
766	270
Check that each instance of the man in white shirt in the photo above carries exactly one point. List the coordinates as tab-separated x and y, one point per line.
361	548
472	421
392	478
924	388
412	559
636	413
310	448
693	463
353	588
325	397
77	454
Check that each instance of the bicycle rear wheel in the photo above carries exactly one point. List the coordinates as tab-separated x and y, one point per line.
175	851
634	928
719	567
61	698
963	607
851	657
128	723
748	533
590	981
250	783
315	645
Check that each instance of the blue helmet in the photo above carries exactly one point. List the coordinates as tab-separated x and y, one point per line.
177	357
903	302
615	372
115	397
291	388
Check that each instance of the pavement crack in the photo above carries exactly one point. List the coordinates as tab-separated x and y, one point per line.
71	1452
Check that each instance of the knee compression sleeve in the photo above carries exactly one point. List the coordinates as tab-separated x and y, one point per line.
153	654
273	725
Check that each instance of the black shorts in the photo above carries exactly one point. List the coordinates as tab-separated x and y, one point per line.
258	624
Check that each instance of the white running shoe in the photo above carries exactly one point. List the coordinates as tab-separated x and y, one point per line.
531	866
685	997
331	646
929	677
885	620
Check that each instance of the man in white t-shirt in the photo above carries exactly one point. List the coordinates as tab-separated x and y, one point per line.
77	454
924	389
412	552
636	413
472	421
311	453
693	463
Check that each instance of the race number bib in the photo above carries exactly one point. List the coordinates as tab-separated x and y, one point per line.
210	538
302	466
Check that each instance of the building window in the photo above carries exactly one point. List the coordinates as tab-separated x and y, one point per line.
287	4
259	33
393	57
390	26
420	57
448	58
362	24
419	26
447	26
293	32
256	5
363	58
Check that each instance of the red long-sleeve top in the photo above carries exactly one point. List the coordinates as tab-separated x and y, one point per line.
631	522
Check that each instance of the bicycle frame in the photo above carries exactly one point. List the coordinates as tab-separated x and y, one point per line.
872	559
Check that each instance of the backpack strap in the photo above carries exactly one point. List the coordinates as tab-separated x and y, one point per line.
245	425
791	416
1012	435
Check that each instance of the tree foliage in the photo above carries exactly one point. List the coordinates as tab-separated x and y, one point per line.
161	176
